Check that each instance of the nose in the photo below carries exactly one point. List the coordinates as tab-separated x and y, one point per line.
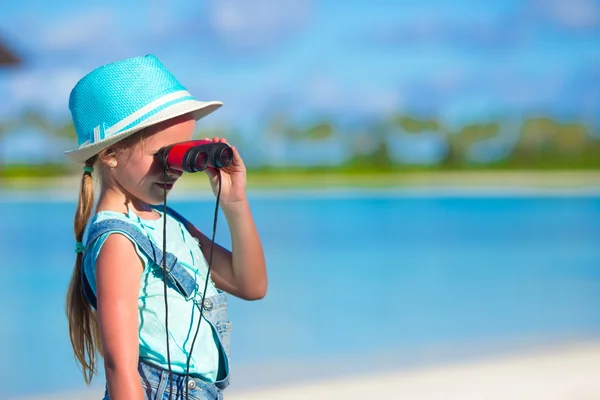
175	173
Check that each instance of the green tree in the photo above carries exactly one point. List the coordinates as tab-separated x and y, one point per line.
459	142
370	149
6	127
545	142
411	124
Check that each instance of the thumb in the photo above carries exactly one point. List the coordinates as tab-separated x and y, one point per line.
212	174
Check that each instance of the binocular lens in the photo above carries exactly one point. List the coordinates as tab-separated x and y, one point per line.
225	158
200	161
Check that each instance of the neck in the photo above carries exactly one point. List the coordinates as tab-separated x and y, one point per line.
116	199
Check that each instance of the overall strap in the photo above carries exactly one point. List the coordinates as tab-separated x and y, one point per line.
177	275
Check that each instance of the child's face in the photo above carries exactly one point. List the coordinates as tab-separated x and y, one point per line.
140	173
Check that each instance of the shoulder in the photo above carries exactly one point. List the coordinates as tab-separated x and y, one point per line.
117	247
110	221
113	235
110	216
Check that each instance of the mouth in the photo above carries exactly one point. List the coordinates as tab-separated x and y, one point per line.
167	186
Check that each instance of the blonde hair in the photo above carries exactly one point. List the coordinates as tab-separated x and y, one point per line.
84	331
83	322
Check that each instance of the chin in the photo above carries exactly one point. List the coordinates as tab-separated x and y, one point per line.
155	202
156	197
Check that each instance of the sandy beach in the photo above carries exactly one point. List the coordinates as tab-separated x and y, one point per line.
554	180
567	372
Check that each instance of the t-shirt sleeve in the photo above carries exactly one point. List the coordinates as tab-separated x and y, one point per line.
91	255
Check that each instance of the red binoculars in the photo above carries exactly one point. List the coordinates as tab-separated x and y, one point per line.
195	155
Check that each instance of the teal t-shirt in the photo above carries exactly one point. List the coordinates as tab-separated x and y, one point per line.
183	314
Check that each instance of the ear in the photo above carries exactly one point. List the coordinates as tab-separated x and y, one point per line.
108	158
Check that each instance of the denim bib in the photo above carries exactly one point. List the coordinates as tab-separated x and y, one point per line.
155	380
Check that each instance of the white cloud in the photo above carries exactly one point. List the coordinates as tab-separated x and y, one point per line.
257	23
449	79
570	13
326	93
45	89
80	30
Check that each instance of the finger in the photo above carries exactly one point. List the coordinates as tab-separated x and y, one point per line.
237	159
211	172
215	139
210	169
223	140
207	139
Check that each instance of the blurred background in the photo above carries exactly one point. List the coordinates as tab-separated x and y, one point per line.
424	175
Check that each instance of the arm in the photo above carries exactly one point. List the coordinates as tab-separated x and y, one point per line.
241	272
118	273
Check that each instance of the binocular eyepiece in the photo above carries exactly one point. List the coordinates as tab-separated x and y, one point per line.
196	155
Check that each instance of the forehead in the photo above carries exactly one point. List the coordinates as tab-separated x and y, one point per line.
171	131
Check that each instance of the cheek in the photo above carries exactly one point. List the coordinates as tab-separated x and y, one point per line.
155	167
139	168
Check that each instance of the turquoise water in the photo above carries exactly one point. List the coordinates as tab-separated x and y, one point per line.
350	276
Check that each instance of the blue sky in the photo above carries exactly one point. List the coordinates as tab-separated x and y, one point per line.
456	60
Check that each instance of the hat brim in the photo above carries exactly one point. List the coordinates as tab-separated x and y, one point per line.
198	108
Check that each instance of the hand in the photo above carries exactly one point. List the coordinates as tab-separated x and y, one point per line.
233	178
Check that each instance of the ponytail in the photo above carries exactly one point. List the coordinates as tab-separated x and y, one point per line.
83	322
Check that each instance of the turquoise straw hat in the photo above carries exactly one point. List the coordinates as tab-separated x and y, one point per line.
116	100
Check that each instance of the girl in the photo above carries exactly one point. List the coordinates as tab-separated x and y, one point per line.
145	320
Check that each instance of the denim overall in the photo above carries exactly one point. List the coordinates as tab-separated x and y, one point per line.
155	380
